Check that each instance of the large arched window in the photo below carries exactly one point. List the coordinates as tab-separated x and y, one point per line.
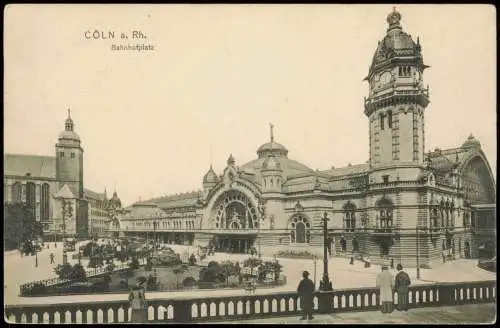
299	227
17	192
45	202
349	217
234	210
31	196
385	215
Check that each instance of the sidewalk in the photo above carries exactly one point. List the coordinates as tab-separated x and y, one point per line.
460	314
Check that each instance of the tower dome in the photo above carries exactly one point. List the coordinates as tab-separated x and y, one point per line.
69	133
210	176
396	43
272	148
471	142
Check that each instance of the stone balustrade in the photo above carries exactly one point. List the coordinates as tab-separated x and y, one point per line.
208	309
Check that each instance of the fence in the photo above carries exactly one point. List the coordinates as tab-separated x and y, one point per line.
250	306
91	273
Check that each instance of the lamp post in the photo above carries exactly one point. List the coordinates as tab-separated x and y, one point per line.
315	261
417	234
36	258
325	284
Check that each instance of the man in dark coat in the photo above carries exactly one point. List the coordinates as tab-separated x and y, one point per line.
401	286
306	290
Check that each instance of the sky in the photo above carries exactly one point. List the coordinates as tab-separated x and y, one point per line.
152	122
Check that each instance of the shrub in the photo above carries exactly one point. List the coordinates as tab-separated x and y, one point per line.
170	259
127	273
110	267
295	254
212	273
63	271
134	264
189	282
38	288
123	283
78	273
192	260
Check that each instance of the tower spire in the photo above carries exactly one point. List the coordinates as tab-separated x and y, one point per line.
211	156
271	127
68	125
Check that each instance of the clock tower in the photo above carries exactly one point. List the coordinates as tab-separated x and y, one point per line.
397	100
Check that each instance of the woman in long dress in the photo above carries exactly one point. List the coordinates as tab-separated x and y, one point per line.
385	282
137	299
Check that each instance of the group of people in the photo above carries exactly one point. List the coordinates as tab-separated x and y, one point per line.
386	282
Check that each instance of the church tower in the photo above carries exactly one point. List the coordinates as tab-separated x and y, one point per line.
397	100
69	159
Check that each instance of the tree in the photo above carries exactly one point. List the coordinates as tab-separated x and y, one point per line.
63	271
20	226
178	271
78	273
228	269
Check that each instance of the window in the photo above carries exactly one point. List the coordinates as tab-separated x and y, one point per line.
385	178
389	119
72	155
61	154
381	121
299	227
349	217
385	217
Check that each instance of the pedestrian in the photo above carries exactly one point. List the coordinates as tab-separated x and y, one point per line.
306	289
392	264
385	283
444	256
352	260
137	299
367	261
343	244
401	284
51	258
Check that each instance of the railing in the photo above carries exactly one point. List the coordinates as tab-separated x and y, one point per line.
91	272
249	306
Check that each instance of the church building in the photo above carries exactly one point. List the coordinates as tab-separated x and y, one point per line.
52	186
402	204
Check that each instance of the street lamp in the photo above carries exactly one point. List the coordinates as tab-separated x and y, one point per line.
315	260
325	284
417	230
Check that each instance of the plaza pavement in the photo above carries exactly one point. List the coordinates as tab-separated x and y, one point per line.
19	270
460	314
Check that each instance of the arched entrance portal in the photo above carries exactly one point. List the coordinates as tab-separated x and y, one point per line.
234	222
